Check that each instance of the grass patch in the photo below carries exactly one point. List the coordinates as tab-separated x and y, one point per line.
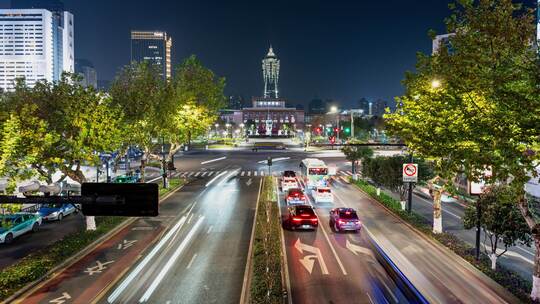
37	264
505	277
266	283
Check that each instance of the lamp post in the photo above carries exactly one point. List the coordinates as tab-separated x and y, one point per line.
227	125
242	129
217	132
334	110
163	163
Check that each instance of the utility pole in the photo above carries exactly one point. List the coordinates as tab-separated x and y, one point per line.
352	125
478	227
163	162
409	199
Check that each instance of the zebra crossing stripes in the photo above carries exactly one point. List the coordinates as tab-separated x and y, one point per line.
239	173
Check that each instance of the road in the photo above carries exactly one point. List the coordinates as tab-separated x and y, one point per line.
329	267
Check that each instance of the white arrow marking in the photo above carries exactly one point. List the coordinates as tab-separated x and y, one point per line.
65	296
98	268
126	244
355	249
316	255
248	183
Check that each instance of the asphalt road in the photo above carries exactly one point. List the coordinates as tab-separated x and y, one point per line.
204	260
329	267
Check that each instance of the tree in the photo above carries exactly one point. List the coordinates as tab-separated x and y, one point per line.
197	96
356	153
474	105
144	99
56	127
501	221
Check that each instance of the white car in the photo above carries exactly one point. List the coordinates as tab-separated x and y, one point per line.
288	183
322	195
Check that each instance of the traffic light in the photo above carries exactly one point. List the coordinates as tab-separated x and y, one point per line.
336	130
347	130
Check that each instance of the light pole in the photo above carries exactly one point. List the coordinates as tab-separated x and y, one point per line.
334	110
217	132
242	129
163	162
227	125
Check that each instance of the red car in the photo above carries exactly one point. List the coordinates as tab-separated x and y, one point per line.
301	217
295	196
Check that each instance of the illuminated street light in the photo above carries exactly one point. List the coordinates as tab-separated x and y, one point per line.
435	83
333	109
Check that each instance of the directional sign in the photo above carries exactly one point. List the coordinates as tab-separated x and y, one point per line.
355	249
60	300
410	173
308	261
248	183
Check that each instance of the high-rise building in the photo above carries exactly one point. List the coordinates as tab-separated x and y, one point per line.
35	44
317	107
270	67
154	47
87	71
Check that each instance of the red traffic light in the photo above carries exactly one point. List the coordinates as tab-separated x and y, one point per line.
336	129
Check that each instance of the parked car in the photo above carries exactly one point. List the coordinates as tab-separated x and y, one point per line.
344	219
53	212
322	195
295	196
15	225
301	217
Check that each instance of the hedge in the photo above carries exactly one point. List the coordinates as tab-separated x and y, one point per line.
509	279
266	283
36	265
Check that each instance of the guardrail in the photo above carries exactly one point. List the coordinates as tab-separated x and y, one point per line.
408	289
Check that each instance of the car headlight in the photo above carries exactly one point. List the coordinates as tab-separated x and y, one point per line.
54	213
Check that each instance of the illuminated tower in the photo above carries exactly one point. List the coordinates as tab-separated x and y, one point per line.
270	67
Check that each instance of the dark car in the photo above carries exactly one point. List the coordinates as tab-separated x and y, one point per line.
342	219
289	173
301	217
295	196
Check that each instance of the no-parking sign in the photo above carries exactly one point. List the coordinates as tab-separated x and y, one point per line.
410	173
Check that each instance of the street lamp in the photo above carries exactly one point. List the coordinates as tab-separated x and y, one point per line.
227	125
334	110
217	132
435	83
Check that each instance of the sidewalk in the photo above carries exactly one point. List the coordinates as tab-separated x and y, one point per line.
439	274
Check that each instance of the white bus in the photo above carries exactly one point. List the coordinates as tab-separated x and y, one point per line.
314	173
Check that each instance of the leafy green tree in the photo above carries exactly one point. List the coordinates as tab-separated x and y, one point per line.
501	221
475	105
355	154
145	100
56	127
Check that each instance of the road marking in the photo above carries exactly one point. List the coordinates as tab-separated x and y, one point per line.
189	219
369	297
126	244
242	174
155	179
355	249
210	229
143	228
273	160
213	160
170	262
203	174
98	268
248	183
185	174
283	249
191	173
349	173
191	262
210	173
60	300
444	210
197	174
254	173
233	173
308	261
262	173
135	273
249	173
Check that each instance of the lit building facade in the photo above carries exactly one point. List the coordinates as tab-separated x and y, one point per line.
154	47
35	44
270	67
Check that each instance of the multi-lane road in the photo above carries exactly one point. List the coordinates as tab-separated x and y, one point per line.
196	250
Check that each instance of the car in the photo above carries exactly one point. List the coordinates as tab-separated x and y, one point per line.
342	219
288	181
289	174
301	217
295	196
53	212
322	195
17	224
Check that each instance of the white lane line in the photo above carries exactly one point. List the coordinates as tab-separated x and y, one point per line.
233	173
328	240
170	262
213	160
118	291
191	262
203	174
242	174
197	174
210	173
155	179
283	249
190	173
210	229
525	250
273	160
444	210
254	173
189	219
215	177
369	297
249	173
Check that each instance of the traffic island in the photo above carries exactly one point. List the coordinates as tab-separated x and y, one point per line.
266	285
507	278
41	264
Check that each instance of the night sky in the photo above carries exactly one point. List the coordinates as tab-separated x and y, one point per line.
342	50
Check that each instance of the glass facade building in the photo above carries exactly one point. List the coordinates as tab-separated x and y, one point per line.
154	47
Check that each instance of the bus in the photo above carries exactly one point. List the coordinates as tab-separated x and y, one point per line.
314	173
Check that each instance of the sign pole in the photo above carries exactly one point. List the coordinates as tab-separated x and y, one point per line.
409	200
478	227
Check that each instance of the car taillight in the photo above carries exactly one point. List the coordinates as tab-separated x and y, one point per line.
341	221
314	219
296	219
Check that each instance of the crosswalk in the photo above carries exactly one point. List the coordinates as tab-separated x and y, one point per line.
238	173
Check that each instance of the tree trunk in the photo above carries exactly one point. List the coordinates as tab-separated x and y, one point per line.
437	214
493	258
90	223
535	292
79	177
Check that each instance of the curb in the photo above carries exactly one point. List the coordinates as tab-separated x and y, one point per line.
78	256
442	248
246	285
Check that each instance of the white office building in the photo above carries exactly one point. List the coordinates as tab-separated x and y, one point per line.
35	44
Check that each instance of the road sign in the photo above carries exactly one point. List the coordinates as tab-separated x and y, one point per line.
410	173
